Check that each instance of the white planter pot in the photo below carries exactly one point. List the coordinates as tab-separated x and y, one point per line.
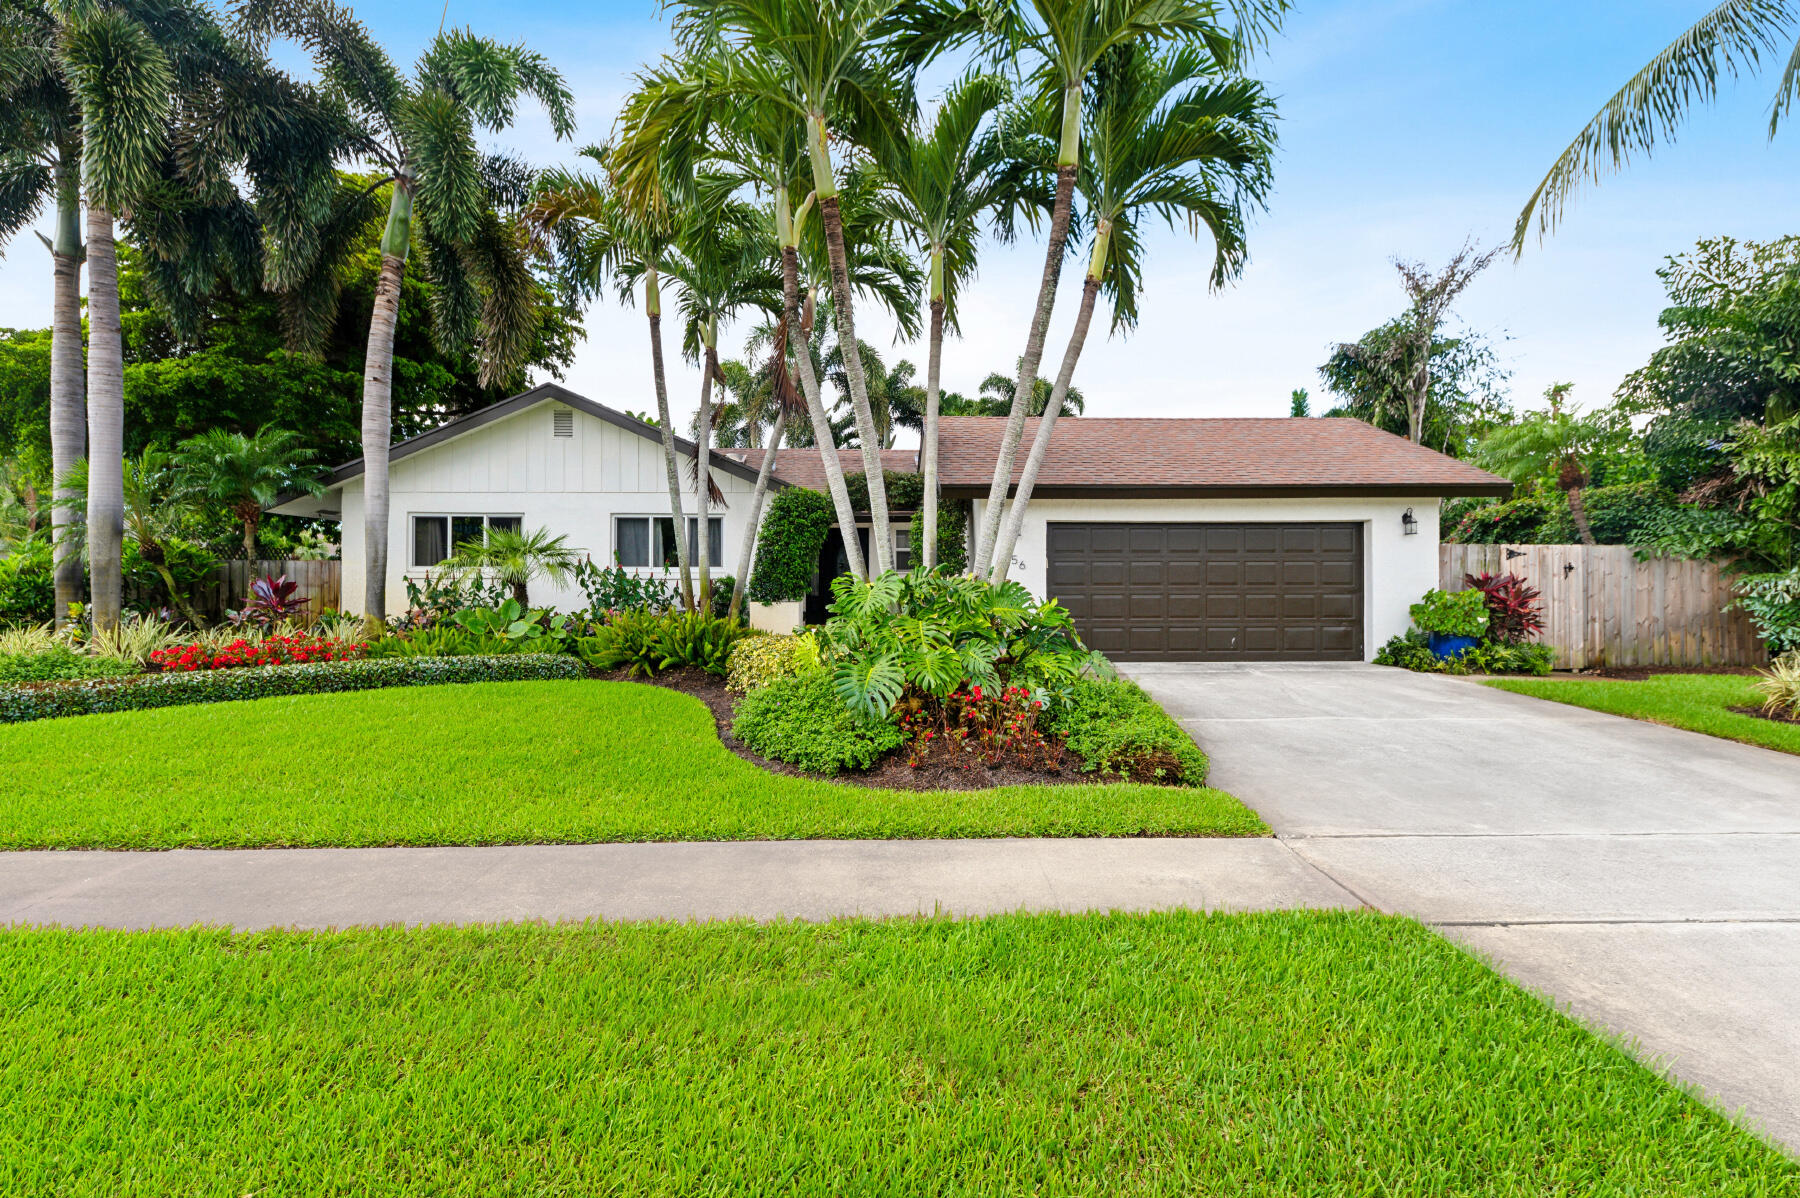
777	617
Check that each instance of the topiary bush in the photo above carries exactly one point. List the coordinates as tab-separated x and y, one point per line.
952	538
759	660
1119	731
787	547
801	720
45	701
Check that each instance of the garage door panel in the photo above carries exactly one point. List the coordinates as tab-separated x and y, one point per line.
1200	591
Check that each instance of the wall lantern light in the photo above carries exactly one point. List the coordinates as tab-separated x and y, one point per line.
1409	523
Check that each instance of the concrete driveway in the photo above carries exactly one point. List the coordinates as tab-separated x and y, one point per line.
1645	878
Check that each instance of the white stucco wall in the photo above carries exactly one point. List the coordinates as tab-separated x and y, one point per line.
572	486
1397	568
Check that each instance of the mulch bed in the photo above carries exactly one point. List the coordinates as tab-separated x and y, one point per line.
1641	673
1772	716
943	770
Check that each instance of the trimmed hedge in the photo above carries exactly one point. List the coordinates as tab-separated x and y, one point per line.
788	545
1119	731
801	720
89	697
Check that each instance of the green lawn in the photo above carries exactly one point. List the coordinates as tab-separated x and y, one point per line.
1179	1054
1699	702
495	763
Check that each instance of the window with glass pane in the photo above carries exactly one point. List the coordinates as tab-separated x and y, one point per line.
667	552
903	549
431	540
505	523
464	529
631	540
715	538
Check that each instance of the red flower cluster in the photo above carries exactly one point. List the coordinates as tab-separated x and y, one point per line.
985	727
272	651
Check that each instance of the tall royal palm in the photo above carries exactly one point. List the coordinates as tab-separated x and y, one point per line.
943	180
603	240
40	165
1169	135
420	131
1732	39
822	64
1068	38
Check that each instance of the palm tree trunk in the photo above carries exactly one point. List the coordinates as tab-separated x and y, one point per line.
1578	512
928	444
106	422
1040	444
249	540
832	217
68	393
1067	160
741	583
671	463
815	410
703	467
377	434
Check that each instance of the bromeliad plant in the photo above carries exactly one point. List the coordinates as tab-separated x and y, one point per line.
272	601
932	633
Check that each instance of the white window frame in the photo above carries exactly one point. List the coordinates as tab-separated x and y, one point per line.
487	523
655	562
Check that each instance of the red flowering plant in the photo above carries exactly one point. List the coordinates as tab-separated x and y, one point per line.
271	651
976	725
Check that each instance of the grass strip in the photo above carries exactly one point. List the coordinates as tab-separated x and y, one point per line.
1175	1054
496	763
1697	702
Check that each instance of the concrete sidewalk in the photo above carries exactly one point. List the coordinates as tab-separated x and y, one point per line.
1646	878
324	888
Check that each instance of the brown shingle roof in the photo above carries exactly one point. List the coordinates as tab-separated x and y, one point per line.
1091	454
805	468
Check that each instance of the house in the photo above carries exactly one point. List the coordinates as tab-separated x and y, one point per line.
1179	539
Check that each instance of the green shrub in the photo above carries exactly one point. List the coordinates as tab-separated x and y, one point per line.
645	643
1413	652
1410	651
27	586
952	538
787	547
87	697
60	662
193	567
617	589
1119	731
1451	613
1772	601
801	720
759	660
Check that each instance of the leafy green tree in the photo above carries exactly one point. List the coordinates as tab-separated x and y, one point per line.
513	559
422	132
246	473
1299	403
1170	134
1554	447
1465	398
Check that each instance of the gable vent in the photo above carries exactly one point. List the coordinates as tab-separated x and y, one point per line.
562	424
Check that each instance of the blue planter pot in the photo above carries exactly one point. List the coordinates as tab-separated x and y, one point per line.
1446	646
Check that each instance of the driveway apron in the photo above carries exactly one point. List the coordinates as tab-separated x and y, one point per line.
1646	879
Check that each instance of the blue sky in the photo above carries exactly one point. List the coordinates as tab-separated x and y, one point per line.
1407	125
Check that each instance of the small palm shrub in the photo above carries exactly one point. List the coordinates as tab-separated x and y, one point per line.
644	643
801	720
1780	686
933	633
1118	731
759	660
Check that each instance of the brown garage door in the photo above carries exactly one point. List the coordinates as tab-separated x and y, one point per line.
1213	592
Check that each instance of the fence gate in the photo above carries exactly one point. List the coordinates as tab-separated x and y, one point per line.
1604	607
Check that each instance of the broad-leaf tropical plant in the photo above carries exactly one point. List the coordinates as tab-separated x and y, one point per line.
421	132
246	473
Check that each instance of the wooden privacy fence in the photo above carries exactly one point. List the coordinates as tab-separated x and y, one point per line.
320	581
1604	607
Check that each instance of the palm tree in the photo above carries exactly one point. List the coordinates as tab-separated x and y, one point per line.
1554	443
246	474
514	558
601	238
1069	38
997	392
1169	135
40	163
724	262
943	179
421	132
1731	39
157	505
819	64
